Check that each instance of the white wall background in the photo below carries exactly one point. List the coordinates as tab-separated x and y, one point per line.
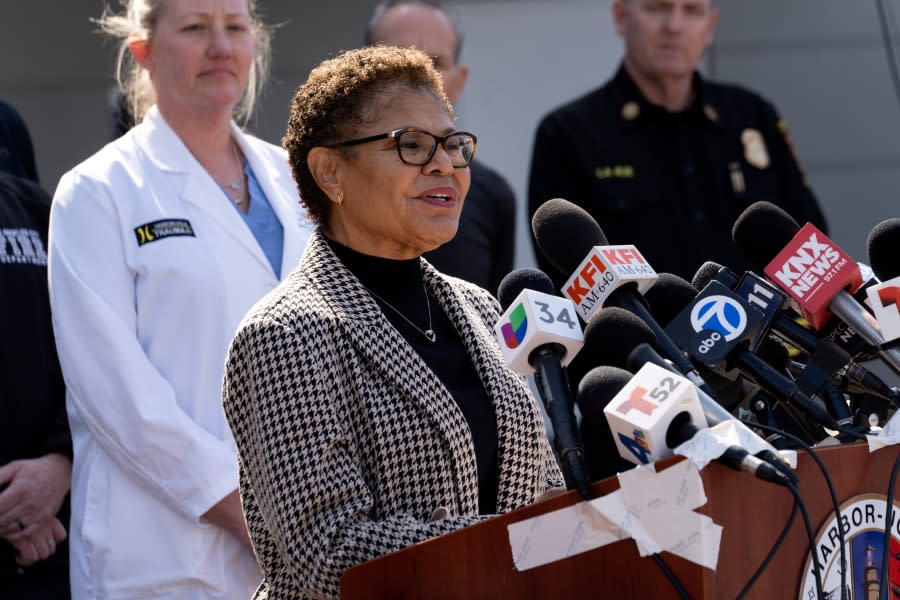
524	59
821	62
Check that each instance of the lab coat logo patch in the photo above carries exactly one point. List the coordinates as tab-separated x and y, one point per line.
159	230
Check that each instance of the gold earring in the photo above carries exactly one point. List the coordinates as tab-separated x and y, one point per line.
340	198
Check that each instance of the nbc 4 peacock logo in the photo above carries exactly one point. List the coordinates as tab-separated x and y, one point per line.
515	329
637	444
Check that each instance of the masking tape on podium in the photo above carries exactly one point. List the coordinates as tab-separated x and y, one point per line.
654	509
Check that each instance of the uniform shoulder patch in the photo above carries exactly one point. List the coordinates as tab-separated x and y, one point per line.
164	228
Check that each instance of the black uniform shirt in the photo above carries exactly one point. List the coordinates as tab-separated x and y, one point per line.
32	394
671	183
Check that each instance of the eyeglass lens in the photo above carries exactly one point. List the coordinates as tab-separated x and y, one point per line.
417	148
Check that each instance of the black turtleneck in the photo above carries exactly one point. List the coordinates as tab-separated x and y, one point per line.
399	289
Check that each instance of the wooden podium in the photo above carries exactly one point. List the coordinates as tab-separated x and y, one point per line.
476	562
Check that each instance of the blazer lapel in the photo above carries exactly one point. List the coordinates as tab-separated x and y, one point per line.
519	450
387	351
166	150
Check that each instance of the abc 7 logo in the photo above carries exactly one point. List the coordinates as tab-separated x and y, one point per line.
722	316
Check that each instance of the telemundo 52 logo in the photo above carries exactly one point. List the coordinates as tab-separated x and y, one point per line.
515	329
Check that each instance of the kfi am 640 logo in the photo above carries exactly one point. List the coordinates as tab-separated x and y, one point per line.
862	521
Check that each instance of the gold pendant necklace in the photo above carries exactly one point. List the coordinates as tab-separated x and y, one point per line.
236	185
428	333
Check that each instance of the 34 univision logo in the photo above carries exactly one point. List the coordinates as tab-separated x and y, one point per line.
515	329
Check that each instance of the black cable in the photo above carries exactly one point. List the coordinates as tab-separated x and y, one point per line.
834	501
672	579
811	538
765	563
888	519
851	433
888	46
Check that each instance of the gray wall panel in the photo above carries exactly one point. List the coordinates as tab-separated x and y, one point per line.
66	125
839	102
857	200
794	21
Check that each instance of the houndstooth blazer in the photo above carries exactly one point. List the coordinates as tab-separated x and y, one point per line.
347	441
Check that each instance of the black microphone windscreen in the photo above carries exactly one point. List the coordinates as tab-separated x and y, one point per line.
523	279
610	336
597	388
565	233
774	352
706	273
884	249
762	231
668	296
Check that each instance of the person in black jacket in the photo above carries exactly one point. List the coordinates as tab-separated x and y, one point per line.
35	445
663	158
484	246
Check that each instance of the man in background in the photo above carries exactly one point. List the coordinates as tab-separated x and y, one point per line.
35	442
483	249
663	158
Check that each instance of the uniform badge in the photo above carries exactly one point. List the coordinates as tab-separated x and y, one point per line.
711	113
631	110
755	151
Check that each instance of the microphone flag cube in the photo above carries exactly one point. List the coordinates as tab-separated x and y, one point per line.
812	269
604	270
884	299
532	320
640	414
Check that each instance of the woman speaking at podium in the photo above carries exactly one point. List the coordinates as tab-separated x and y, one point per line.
366	394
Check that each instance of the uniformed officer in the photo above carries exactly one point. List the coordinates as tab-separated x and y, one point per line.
662	158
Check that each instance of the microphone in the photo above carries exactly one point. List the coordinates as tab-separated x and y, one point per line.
762	295
573	242
883	245
884	298
825	360
676	294
538	334
565	233
811	268
595	390
712	329
635	347
657	411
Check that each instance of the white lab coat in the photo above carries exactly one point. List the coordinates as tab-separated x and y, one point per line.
142	333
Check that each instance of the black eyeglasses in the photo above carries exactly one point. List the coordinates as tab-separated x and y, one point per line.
417	147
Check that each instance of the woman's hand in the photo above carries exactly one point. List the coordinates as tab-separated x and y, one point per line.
34	491
227	514
551	493
439	514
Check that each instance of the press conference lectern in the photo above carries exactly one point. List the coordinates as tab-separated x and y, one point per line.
476	562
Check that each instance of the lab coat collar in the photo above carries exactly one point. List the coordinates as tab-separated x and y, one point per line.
197	187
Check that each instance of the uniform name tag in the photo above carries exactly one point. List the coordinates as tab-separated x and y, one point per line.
158	230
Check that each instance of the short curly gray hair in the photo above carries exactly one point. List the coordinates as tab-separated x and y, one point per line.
341	95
